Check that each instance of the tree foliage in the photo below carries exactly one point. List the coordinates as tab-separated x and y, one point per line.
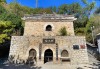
82	13
3	1
6	28
93	21
19	10
2	9
63	9
63	31
97	11
80	31
53	9
16	20
88	7
9	23
73	8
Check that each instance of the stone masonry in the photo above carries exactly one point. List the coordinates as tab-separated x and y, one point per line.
47	45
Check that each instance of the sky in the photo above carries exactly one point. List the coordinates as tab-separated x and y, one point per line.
48	3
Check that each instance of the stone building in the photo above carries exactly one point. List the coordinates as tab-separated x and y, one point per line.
43	42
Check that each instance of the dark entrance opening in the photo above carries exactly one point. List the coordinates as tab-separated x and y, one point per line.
48	56
49	28
32	57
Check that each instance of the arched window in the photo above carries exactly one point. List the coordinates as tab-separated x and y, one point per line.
32	53
64	53
48	28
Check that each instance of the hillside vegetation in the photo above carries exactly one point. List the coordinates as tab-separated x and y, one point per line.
11	23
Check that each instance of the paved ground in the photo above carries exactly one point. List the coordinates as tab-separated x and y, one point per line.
12	66
57	66
94	64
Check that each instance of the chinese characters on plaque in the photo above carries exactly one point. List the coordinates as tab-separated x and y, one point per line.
48	41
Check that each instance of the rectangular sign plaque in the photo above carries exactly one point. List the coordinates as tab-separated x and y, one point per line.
76	47
48	41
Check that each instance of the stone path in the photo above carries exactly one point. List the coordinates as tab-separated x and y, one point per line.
93	64
67	66
50	65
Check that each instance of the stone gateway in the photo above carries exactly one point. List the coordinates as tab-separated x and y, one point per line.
42	42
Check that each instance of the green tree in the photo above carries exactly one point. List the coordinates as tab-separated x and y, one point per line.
16	20
63	31
80	31
89	28
54	9
19	10
2	10
15	8
6	28
42	11
95	20
63	9
88	32
73	8
97	11
88	7
82	24
3	1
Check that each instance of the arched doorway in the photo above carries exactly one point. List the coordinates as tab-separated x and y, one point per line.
48	28
32	56
48	55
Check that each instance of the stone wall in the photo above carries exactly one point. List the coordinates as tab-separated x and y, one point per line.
39	28
78	56
21	45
